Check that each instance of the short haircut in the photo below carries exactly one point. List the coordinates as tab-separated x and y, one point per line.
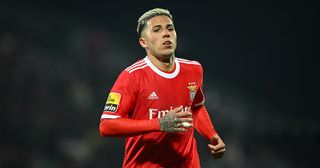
142	21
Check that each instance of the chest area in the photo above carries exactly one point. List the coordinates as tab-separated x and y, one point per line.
162	93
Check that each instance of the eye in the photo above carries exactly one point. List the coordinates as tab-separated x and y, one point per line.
156	29
171	28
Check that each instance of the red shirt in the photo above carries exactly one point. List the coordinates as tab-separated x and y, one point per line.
144	92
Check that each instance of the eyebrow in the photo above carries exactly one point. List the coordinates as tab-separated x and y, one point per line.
157	26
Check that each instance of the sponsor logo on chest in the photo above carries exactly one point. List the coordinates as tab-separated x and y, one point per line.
156	113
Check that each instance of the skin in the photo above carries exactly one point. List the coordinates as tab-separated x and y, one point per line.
172	121
217	148
159	39
160	29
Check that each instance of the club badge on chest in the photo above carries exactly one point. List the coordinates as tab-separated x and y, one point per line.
192	89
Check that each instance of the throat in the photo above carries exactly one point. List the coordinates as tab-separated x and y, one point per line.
168	67
165	65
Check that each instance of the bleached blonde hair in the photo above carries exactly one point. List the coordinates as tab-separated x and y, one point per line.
142	21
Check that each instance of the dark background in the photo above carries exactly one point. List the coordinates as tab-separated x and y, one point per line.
59	60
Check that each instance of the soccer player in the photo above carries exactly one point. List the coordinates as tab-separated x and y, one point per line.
157	102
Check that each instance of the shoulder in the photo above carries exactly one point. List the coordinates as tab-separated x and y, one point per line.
131	73
140	64
190	64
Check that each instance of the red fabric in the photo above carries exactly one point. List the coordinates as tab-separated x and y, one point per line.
203	123
145	94
122	127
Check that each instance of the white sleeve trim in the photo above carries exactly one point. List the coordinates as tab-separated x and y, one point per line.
109	116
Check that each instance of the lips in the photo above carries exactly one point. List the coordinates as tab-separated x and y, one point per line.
167	43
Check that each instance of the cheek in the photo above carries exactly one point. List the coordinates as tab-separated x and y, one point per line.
155	42
174	36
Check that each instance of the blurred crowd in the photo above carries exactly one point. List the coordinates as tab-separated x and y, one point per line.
56	74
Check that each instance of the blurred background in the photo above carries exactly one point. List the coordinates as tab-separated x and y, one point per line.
59	60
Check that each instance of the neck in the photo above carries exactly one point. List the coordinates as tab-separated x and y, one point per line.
166	65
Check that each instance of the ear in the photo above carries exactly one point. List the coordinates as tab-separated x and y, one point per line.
143	43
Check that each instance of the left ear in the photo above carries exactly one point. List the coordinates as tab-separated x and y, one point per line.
143	43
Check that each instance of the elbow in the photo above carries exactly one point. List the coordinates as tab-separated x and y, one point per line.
102	133
103	129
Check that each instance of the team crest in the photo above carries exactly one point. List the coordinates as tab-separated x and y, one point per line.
112	102
192	90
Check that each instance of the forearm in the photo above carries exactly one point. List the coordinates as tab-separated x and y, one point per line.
203	123
122	127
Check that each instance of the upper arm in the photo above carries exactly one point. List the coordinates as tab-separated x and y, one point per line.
121	99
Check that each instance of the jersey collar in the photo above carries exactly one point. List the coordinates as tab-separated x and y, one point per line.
161	73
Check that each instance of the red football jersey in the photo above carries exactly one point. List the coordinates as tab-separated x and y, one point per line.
144	92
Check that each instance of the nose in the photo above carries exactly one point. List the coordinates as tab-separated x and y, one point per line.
166	33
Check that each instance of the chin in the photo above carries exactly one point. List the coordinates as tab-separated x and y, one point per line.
168	54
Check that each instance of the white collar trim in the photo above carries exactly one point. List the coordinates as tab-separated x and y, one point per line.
161	73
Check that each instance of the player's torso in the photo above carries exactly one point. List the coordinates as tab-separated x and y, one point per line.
158	94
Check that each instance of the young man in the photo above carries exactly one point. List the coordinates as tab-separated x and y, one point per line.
157	102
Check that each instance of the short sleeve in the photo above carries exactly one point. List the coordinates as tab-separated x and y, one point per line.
121	98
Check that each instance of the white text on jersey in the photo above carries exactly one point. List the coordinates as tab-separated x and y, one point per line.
155	113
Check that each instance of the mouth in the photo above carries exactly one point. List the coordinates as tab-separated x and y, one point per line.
167	43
